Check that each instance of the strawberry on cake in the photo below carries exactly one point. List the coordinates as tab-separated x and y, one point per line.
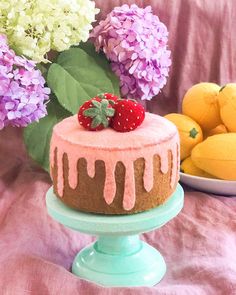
113	158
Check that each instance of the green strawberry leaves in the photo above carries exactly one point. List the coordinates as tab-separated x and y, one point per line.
109	112
100	112
99	120
96	103
93	112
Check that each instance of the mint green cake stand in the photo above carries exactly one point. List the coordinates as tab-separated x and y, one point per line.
118	257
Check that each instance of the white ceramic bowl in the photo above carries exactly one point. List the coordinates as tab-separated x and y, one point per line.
210	185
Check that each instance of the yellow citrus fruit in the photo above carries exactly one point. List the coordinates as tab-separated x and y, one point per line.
217	155
190	133
188	167
217	130
227	101
201	104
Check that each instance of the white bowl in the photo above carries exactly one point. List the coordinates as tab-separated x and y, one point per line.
210	185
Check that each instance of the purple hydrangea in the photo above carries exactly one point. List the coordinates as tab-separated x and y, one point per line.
135	41
22	91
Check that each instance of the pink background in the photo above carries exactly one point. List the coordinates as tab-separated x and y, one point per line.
202	41
199	245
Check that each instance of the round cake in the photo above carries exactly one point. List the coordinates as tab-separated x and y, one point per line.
111	172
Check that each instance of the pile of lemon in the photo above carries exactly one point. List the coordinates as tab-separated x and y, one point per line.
207	130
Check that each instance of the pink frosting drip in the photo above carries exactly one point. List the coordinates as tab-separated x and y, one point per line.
148	181
156	136
91	168
110	183
60	177
129	191
72	173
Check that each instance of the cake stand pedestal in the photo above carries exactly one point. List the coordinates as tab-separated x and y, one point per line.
118	257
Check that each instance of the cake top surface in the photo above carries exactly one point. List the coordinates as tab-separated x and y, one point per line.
154	129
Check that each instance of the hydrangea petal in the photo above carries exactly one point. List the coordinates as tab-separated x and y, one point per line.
22	91
135	41
37	26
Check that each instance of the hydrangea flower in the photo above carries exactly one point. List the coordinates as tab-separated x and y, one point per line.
135	41
22	91
34	27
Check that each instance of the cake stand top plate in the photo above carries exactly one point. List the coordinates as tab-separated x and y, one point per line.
100	224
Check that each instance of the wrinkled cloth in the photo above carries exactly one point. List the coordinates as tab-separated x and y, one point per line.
202	42
199	245
36	252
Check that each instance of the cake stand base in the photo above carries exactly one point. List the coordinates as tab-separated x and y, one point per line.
118	257
138	264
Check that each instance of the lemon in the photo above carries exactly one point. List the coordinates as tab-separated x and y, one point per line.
188	167
190	133
217	130
217	155
227	101
201	104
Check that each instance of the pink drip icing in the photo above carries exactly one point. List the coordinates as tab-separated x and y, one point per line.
90	168
110	183
175	169
51	158
73	172
147	180
178	156
129	191
60	178
164	161
75	151
178	161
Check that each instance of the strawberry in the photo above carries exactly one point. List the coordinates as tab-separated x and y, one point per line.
109	96
95	114
128	115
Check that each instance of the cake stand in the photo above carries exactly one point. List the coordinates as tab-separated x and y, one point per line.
118	257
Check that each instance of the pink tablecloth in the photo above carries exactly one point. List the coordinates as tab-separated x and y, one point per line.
199	245
36	252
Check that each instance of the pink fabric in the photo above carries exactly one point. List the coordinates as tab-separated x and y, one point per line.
36	252
199	245
202	42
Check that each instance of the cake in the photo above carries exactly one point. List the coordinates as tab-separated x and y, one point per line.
111	172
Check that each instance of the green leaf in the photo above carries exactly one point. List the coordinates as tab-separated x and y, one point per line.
109	112
96	121
111	102
193	133
77	77
222	88
105	122
102	61
97	104
104	104
93	112
37	135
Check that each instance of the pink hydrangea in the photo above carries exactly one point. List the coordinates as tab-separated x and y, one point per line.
135	41
22	91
